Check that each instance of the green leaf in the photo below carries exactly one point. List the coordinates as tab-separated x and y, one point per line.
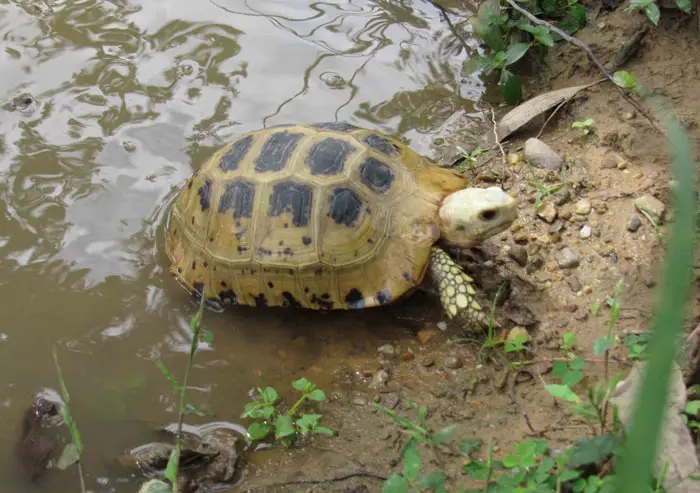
155	486
395	484
510	461
258	431
572	378
478	62
626	80
308	422
653	13
68	457
569	340
583	124
595	306
317	395
515	52
684	5
323	431
466	447
559	368
563	392
568	475
411	461
577	363
444	434
270	395
692	407
591	450
601	345
511	90
302	385
476	469
284	426
578	12
433	480
172	467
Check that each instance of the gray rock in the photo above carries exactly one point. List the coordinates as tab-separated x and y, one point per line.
540	154
585	232
535	263
583	207
567	259
380	379
547	211
556	226
574	284
652	206
387	350
676	448
453	362
519	254
634	223
561	196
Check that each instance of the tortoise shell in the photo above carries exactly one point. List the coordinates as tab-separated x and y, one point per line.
321	216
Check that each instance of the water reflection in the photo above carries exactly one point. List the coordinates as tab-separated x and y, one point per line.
106	109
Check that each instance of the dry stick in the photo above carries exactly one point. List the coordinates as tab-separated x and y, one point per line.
498	141
593	58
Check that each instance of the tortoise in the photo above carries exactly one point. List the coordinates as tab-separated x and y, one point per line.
329	216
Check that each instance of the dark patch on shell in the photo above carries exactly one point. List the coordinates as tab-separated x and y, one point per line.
239	196
260	301
232	159
345	206
228	297
290	301
355	299
376	175
198	288
275	153
328	156
383	297
335	126
306	240
323	302
290	196
408	276
381	144
204	193
270	285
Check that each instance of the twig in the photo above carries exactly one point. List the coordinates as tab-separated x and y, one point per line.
498	141
594	59
361	474
513	397
445	15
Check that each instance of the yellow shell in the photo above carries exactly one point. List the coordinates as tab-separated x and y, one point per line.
321	216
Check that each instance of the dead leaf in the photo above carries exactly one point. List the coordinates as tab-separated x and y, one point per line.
518	117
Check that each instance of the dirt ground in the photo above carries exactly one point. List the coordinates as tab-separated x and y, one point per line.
622	159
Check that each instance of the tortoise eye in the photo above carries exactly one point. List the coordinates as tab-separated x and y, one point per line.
488	214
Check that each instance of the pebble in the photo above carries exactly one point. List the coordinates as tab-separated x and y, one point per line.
453	362
600	207
634	223
427	362
519	254
540	154
583	207
562	196
652	206
548	212
535	263
567	259
574	284
360	401
521	236
585	232
407	356
387	350
425	335
379	379
565	213
557	226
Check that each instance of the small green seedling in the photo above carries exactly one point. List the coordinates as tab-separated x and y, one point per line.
625	80
267	417
586	125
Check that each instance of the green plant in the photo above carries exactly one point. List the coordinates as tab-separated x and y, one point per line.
73	452
652	10
470	158
638	345
494	25
586	125
267	417
625	80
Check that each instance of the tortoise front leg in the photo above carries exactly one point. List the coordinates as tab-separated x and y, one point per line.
457	293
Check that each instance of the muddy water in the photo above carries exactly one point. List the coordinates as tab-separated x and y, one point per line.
108	107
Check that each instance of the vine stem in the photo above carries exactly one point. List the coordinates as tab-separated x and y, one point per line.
593	58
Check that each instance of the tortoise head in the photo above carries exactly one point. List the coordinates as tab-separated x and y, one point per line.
472	215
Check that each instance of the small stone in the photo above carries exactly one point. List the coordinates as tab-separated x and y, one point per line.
600	207
629	115
622	165
567	259
540	154
566	212
652	206
380	378
585	232
561	196
580	314
521	236
544	239
427	362
535	263
574	284
583	207
515	158
425	335
453	362
360	401
587	289
609	162
547	211
519	254
557	226
387	350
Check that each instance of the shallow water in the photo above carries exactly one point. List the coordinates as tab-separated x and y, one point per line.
108	107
